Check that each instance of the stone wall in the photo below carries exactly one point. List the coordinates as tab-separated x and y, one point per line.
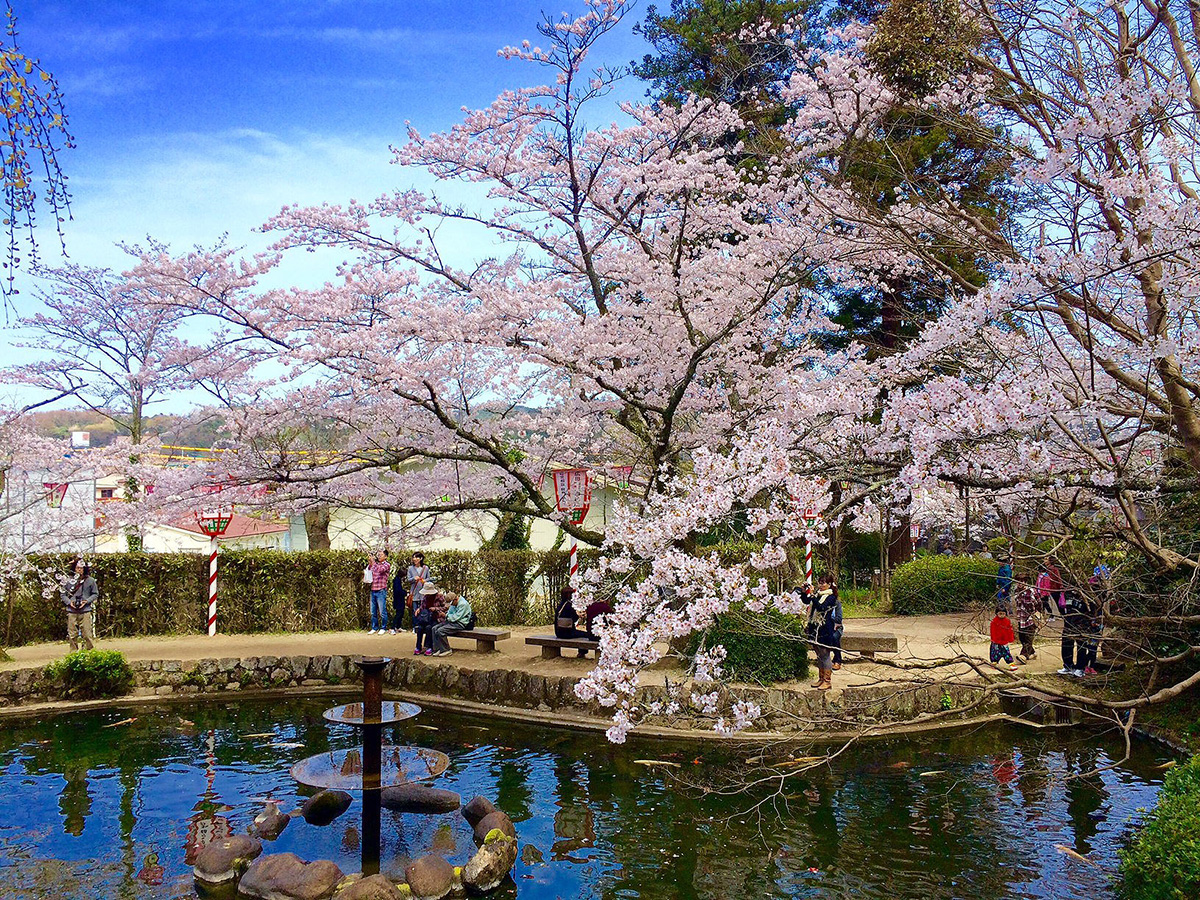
784	709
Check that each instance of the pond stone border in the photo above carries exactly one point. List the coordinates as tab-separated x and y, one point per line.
786	709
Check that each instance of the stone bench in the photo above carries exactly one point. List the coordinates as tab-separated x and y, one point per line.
867	645
485	638
552	647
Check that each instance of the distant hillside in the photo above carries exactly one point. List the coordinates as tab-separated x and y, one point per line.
169	429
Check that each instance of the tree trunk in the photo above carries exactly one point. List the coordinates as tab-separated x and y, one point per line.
900	545
316	527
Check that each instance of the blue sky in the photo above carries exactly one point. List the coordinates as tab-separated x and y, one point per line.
199	118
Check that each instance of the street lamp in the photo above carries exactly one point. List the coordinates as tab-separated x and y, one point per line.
214	521
573	495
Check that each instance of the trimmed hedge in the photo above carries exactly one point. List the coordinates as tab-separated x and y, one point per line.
274	591
1163	862
759	647
940	584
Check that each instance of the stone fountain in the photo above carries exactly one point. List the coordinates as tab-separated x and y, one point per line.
385	774
375	767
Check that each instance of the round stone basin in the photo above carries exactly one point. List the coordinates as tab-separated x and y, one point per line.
391	711
342	769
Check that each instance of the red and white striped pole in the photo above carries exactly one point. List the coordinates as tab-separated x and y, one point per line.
808	562
574	561
212	586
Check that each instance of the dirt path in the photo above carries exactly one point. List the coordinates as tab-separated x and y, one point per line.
920	638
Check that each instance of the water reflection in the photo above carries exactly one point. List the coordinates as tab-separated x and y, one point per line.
75	802
982	814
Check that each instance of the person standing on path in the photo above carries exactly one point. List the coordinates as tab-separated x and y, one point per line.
1004	583
79	593
380	570
1001	632
1074	652
1091	629
1054	584
1027	609
1042	591
417	576
836	654
822	630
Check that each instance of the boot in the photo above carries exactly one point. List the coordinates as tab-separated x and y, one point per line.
826	681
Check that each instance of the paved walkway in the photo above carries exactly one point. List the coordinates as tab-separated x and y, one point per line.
921	639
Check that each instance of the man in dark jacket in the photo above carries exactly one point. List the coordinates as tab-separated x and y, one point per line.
79	593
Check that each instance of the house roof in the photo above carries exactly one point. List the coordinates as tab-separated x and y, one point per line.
239	526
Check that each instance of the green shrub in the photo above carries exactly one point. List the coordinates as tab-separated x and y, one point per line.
89	674
941	584
759	647
1163	862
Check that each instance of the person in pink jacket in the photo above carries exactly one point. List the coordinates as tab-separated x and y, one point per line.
1042	589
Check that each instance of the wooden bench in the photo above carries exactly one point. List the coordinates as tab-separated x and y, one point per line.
485	638
552	647
867	645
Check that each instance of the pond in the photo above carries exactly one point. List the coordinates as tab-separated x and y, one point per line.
94	805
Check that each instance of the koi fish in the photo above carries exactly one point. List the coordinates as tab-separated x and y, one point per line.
799	761
656	762
1071	854
122	722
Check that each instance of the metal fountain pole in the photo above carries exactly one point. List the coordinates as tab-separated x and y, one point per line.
372	673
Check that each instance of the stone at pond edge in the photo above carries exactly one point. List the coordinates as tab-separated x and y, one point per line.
494	821
285	876
325	806
269	823
430	878
479	807
490	865
418	798
374	887
226	858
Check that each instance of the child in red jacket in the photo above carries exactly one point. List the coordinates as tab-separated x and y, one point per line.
1002	636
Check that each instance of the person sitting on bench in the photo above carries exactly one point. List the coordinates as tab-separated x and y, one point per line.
566	617
598	608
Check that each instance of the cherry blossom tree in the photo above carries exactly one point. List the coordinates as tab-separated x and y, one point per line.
635	298
104	346
1069	377
628	308
47	503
